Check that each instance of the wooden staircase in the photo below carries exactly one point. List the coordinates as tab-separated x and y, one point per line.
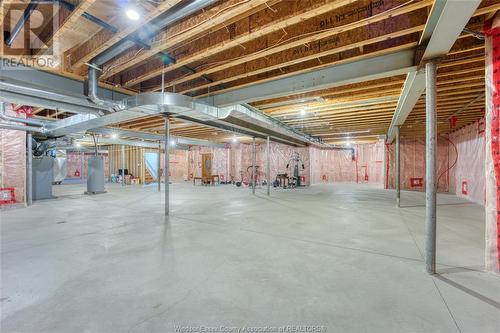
148	178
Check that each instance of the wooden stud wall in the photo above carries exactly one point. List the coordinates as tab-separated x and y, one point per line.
134	160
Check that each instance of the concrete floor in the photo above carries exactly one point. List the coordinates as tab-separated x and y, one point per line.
341	257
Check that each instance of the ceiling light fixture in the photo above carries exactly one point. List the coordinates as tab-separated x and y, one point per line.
235	139
132	14
303	112
114	136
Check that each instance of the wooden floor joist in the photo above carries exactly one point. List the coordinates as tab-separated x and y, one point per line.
235	44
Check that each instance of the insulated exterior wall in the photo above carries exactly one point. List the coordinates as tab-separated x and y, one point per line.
220	161
412	159
467	162
279	156
76	164
492	138
13	159
334	166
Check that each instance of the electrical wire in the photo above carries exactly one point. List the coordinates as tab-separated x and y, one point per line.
291	39
280	41
454	163
181	32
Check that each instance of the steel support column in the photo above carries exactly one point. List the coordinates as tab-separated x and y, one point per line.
159	167
123	165
398	167
268	166
430	167
254	161
166	168
29	169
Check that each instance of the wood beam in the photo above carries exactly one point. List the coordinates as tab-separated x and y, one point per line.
336	50
163	41
293	42
104	39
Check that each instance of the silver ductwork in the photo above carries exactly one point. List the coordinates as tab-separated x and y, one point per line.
91	85
237	118
22	128
90	90
29	94
237	115
5	117
155	137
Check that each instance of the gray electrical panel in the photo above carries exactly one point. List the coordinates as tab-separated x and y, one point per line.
43	174
95	175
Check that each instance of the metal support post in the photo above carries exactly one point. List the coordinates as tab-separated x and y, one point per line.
29	169
398	168
167	166
430	167
158	174
268	167
123	165
254	161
